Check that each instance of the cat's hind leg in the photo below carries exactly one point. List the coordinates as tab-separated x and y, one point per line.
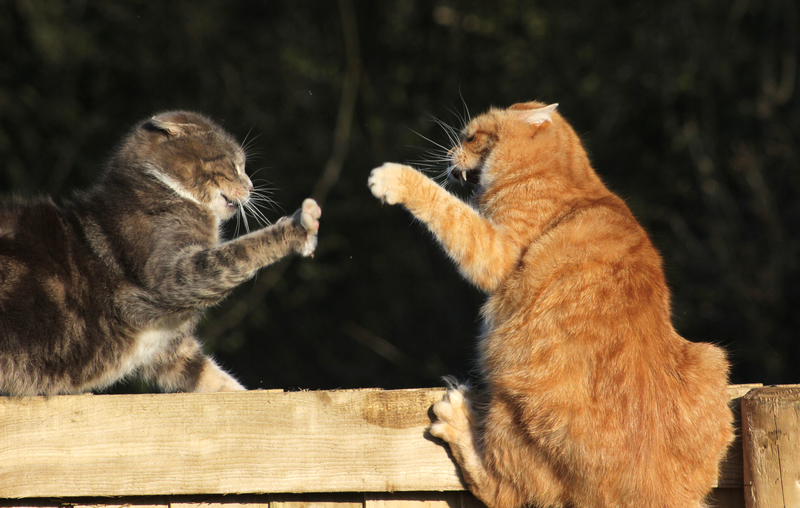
508	474
213	379
185	368
456	424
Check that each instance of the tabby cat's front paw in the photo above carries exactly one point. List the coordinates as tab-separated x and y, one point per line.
385	182
453	416
308	218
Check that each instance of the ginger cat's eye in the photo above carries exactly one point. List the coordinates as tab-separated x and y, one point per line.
589	396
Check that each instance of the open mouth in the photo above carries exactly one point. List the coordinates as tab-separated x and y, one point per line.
465	175
228	201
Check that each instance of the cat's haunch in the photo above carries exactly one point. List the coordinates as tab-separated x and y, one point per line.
112	283
591	398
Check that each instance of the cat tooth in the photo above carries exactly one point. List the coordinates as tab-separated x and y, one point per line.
464	175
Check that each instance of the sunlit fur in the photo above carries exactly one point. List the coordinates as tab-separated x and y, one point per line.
111	284
591	398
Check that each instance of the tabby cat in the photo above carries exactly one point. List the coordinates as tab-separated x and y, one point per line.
112	283
590	398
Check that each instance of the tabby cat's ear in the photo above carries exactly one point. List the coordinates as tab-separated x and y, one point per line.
536	116
170	125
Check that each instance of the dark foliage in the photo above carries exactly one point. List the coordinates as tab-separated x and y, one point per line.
690	110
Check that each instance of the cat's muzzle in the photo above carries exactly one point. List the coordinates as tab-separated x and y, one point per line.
465	175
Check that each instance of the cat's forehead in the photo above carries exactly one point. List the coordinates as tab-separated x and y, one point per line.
495	119
178	124
486	122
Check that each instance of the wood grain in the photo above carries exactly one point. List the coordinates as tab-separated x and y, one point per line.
223	443
771	435
231	443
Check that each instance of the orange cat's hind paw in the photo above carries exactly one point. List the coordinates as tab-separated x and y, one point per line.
453	416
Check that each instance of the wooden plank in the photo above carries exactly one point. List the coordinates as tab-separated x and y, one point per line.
222	443
216	501
241	501
229	443
414	500
731	470
29	503
136	502
335	500
771	436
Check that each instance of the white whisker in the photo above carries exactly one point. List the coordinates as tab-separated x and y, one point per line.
241	205
438	160
429	140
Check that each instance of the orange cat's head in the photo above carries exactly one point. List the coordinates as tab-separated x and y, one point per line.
518	149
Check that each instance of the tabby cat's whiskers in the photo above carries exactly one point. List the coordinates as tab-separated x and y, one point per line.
164	268
259	198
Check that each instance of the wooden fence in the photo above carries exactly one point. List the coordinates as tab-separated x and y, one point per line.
327	449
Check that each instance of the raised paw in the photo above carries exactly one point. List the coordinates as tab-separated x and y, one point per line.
385	182
308	218
453	416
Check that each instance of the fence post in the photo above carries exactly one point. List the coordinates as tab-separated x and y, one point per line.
771	440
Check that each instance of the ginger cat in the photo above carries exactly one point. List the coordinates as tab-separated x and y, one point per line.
591	398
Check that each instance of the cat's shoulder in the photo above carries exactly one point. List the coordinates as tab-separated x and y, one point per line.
26	215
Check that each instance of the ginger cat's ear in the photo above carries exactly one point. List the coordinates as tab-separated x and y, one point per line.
536	116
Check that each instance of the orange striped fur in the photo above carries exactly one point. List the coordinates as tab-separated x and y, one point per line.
589	397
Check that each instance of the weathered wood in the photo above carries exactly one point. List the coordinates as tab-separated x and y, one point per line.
336	500
771	435
731	470
416	500
243	501
234	443
224	443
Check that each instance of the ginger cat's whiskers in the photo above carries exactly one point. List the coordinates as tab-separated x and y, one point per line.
438	160
589	396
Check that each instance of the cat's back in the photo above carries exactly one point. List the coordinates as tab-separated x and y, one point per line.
593	258
47	269
31	231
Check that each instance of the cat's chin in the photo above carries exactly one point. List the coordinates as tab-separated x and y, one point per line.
224	207
223	210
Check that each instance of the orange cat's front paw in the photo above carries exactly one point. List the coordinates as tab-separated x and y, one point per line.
385	182
453	416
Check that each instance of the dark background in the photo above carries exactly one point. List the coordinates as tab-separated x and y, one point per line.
690	110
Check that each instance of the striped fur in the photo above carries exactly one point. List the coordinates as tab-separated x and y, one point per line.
112	283
589	397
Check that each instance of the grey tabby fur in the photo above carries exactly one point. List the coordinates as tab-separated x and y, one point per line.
112	283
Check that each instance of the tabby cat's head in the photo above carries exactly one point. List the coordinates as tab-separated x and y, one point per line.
195	157
503	148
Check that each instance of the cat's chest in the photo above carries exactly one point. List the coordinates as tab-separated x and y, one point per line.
150	344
